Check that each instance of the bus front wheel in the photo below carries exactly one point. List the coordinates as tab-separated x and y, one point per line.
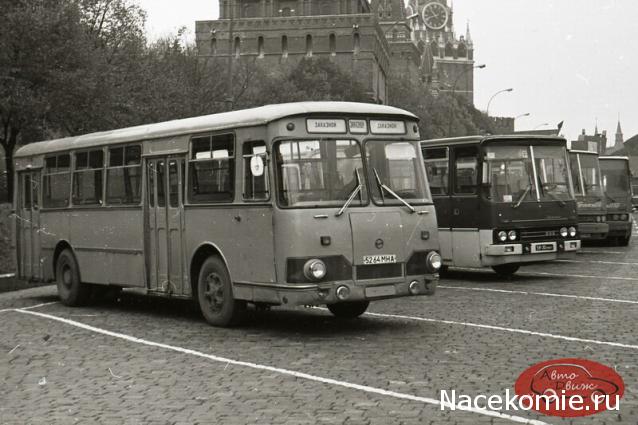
349	310
71	290
215	295
506	270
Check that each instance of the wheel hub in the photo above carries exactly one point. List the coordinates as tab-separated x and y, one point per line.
67	278
214	292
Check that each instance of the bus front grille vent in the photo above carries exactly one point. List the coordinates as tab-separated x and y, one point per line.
539	234
379	271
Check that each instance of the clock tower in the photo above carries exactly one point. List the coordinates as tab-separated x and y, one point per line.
448	59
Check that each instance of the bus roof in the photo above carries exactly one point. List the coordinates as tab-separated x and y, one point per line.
234	119
486	138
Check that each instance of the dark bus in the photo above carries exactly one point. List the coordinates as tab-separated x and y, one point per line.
617	186
502	201
592	212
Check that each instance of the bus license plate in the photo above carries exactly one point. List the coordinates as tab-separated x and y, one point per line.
369	260
544	247
380	291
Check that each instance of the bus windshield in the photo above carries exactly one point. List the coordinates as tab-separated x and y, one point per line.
319	173
395	165
616	179
510	173
588	177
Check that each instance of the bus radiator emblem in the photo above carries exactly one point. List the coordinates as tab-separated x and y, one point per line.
379	243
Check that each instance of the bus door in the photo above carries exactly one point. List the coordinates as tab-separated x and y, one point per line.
465	206
28	225
165	218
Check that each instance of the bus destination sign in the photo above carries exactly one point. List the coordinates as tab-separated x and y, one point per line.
358	126
314	125
387	127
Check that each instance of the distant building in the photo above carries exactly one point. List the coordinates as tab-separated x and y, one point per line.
447	58
370	39
619	141
592	143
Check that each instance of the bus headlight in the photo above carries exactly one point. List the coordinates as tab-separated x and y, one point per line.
624	217
315	270
502	236
564	232
433	262
572	231
512	235
615	217
598	219
603	219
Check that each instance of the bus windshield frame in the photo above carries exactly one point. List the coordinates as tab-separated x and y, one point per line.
586	168
313	180
516	173
616	177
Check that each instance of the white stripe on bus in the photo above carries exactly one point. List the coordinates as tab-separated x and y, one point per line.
596	262
532	274
295	374
504	329
7	276
543	294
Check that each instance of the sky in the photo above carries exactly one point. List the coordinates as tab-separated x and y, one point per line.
567	60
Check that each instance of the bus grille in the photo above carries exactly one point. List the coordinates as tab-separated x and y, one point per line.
379	271
538	234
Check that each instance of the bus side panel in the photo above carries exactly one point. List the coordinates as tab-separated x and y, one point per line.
108	245
244	235
445	241
54	227
466	247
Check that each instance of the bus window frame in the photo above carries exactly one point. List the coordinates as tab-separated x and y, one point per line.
74	170
268	161
107	167
188	202
44	173
424	178
278	181
479	171
447	160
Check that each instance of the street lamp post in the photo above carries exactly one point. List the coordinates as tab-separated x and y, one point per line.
456	81
487	112
541	125
527	114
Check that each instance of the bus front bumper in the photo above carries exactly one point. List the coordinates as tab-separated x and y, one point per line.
326	293
529	252
620	229
593	231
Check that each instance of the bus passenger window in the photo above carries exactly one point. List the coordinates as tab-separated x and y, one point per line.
436	165
255	171
465	171
57	181
124	176
212	169
88	177
173	184
161	184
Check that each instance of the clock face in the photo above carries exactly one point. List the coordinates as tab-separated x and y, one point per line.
435	15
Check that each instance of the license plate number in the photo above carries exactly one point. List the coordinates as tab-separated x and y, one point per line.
547	247
379	259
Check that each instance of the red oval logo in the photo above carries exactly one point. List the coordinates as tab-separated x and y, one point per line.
570	388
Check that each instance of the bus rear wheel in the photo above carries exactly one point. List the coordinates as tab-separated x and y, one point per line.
215	295
349	310
506	270
71	290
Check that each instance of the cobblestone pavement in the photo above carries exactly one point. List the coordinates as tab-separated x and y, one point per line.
148	360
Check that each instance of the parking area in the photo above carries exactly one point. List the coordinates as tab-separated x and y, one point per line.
150	360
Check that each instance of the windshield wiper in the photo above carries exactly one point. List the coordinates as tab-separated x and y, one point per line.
523	196
353	195
556	198
383	187
609	197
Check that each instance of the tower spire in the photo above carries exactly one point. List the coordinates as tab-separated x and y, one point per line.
468	35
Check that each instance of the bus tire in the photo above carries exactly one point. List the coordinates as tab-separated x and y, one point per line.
349	310
71	290
215	294
506	270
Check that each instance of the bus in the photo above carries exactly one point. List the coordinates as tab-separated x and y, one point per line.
502	201
634	192
617	186
592	212
312	203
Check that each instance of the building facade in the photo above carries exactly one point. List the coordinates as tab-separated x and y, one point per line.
369	39
592	143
